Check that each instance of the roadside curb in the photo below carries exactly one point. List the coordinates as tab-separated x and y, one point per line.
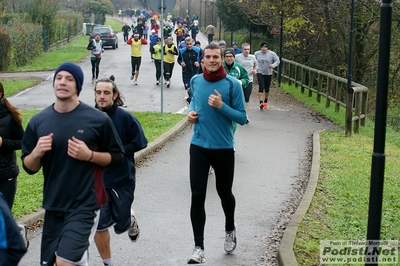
32	218
26	75
164	138
286	255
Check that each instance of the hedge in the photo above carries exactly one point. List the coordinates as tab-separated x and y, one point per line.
66	25
23	41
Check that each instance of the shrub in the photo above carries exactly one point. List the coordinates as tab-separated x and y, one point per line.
65	25
14	18
5	46
22	41
26	43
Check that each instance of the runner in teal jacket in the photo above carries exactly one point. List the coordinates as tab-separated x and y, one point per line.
218	132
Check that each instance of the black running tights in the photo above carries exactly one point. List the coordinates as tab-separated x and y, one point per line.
223	162
95	67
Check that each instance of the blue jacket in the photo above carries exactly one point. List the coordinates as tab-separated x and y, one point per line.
12	247
153	39
189	57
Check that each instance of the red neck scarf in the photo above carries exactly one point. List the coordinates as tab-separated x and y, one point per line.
214	76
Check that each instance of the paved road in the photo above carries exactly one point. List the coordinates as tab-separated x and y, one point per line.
146	96
269	156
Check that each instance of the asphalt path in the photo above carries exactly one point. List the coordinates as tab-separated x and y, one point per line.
270	152
146	96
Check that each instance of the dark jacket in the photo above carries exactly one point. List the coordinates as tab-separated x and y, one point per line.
126	29
132	137
194	30
140	28
189	57
12	247
167	31
11	132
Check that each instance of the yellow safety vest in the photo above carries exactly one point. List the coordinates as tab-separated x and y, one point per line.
169	58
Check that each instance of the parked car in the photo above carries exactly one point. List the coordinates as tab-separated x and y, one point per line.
108	36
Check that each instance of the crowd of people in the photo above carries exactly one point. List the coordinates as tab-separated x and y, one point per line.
95	145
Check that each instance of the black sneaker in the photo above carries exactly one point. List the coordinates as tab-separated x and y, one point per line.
186	100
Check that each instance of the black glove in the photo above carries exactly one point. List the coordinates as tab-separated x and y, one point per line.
90	46
171	52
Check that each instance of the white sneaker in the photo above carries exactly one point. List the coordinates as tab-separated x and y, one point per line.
24	234
210	171
134	230
135	82
197	256
132	76
158	82
169	84
230	241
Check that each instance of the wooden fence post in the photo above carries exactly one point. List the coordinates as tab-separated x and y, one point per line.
320	81
338	95
357	113
349	113
364	107
303	79
328	90
310	82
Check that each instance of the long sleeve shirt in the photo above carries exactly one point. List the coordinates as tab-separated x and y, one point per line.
214	127
266	59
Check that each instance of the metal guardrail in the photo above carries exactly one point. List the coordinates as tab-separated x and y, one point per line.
332	88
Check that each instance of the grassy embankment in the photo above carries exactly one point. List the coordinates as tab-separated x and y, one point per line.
339	209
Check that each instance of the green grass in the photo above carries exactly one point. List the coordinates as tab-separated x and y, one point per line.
116	25
336	117
73	52
29	192
339	209
155	124
14	86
